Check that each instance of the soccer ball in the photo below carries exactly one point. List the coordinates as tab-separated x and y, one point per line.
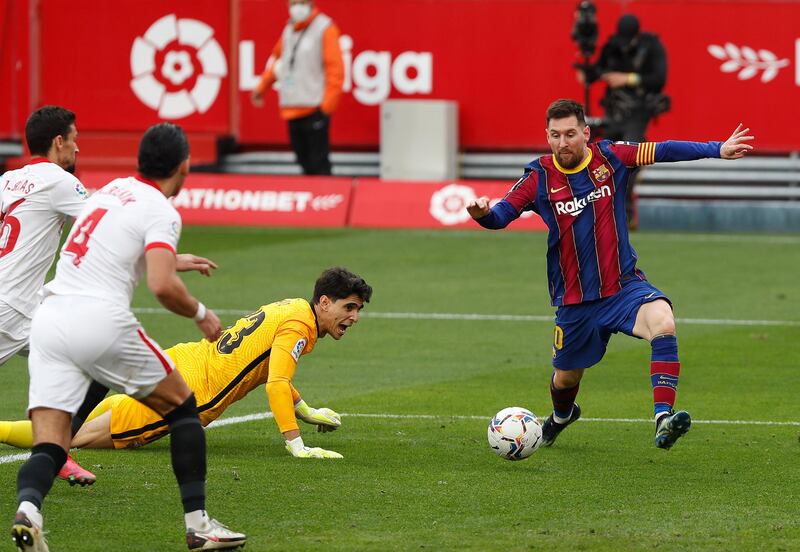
514	433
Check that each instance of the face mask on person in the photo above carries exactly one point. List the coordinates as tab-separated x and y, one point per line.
299	12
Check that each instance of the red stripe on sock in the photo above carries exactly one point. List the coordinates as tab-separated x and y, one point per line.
664	394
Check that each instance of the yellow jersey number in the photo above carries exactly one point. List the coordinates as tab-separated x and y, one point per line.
234	336
558	340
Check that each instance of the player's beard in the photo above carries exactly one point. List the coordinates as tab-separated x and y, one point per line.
569	161
71	169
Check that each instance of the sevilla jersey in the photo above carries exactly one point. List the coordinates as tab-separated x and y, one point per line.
588	250
104	255
34	203
262	348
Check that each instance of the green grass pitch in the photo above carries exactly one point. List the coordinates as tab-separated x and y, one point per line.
418	392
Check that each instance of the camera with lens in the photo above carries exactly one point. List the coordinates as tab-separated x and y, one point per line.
584	31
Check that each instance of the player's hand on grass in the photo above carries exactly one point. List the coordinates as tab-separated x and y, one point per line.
479	207
324	418
298	449
187	262
735	147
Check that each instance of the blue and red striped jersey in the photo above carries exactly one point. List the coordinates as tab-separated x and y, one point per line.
588	250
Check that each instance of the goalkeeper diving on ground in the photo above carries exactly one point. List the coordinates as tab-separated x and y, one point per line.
261	348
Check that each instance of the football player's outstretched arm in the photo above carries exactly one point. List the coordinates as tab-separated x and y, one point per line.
736	147
163	282
478	207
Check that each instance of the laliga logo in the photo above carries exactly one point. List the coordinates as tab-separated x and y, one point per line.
370	75
177	67
449	205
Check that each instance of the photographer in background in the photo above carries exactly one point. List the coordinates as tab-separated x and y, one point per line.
634	65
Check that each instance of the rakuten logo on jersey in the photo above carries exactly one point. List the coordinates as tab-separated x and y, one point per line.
370	75
248	200
576	206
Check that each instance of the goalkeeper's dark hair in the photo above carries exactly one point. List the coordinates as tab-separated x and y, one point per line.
563	108
162	150
338	283
44	125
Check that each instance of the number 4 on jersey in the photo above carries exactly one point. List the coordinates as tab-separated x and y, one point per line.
78	244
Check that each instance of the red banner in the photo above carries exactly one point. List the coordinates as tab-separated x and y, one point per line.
133	64
231	200
234	200
129	64
504	61
386	204
15	68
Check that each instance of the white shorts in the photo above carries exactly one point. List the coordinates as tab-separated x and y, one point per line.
75	340
15	329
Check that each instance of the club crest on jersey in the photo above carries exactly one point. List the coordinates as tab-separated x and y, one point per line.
601	174
298	349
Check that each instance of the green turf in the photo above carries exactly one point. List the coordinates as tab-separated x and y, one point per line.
431	483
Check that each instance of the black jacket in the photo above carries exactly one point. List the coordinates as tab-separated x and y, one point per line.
645	56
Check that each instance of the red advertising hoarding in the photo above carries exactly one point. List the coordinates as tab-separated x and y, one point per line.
233	200
126	65
504	61
15	68
129	64
387	204
248	200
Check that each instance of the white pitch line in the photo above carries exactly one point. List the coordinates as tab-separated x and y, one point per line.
14	458
10	458
507	317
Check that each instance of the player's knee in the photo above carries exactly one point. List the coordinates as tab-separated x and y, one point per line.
664	326
564	379
660	319
666	321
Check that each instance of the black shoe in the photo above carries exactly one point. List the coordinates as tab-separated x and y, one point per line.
671	427
551	428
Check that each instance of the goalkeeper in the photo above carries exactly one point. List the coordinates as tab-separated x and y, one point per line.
261	348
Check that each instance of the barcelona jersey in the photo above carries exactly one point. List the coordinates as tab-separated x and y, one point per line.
589	254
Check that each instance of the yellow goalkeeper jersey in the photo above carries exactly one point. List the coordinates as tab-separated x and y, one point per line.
261	348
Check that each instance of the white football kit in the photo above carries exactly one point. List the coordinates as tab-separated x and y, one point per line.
84	329
34	204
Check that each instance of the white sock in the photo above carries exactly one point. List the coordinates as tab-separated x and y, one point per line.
33	513
559	420
197	520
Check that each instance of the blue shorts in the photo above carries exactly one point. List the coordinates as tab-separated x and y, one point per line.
582	331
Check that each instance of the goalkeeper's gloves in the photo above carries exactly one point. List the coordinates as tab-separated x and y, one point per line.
324	418
299	450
